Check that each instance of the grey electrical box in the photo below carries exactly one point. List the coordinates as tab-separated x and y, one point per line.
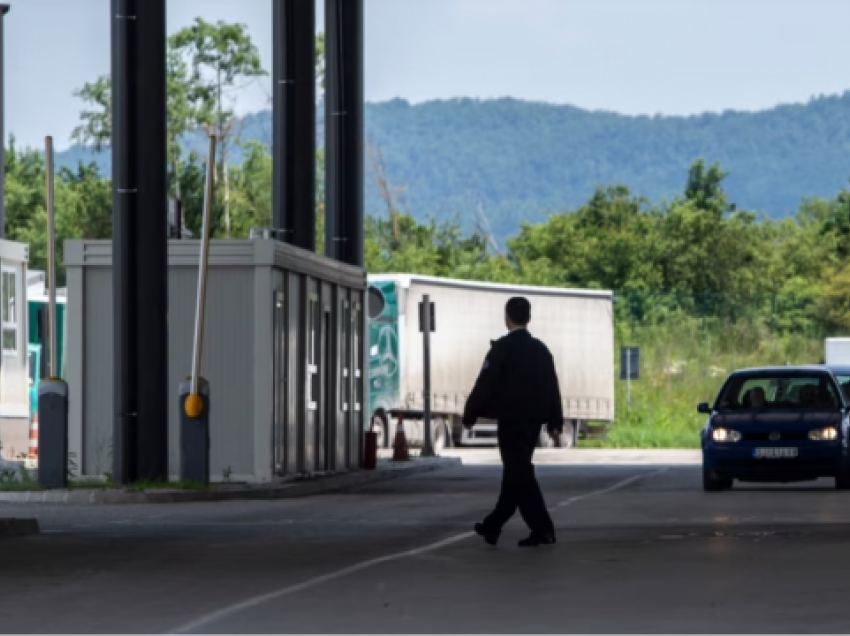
195	436
53	434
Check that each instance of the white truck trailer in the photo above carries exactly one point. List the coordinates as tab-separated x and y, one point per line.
576	325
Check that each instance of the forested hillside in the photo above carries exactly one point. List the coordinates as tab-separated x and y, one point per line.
516	161
669	213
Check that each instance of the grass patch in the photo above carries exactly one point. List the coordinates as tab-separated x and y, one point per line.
685	363
22	480
17	480
89	484
141	486
19	486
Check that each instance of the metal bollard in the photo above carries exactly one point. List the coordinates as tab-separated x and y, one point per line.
53	434
195	433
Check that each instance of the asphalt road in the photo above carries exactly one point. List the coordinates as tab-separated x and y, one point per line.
641	549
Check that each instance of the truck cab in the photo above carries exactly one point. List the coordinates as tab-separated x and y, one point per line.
384	380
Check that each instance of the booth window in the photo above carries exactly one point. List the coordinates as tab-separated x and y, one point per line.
9	293
358	356
313	354
345	345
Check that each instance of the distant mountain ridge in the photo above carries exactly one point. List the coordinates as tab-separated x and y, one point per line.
516	161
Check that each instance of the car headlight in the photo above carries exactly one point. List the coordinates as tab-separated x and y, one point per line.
725	435
827	434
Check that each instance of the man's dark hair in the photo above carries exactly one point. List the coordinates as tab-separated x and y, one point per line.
518	310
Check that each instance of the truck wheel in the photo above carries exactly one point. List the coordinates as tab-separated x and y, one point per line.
567	437
842	479
710	483
544	441
381	426
439	436
457	438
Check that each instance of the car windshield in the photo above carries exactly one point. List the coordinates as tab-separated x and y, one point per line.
844	381
750	392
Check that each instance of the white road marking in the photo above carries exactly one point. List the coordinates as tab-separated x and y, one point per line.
213	617
616	486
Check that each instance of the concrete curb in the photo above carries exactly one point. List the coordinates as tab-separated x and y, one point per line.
18	527
291	490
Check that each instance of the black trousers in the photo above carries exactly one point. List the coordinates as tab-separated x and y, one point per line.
520	489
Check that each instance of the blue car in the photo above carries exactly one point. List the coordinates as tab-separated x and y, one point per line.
783	424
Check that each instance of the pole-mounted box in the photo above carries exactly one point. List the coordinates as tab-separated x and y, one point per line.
53	434
195	434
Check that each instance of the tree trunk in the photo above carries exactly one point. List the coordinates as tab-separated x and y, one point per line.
176	167
225	173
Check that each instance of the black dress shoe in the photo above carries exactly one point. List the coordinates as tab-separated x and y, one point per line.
534	540
491	538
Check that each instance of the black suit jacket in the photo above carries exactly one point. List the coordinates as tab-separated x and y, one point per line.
517	382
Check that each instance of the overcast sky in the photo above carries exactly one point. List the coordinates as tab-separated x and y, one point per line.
630	56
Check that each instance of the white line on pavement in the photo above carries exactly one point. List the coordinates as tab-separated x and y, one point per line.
213	617
616	486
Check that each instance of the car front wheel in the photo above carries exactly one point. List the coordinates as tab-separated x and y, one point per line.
711	483
842	479
381	426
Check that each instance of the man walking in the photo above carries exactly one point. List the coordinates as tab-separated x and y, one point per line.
518	387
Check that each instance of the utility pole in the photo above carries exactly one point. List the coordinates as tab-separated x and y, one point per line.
4	9
344	112
139	242
427	445
52	392
294	126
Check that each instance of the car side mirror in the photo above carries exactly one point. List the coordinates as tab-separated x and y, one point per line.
704	408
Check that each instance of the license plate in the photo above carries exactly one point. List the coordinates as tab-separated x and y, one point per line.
774	453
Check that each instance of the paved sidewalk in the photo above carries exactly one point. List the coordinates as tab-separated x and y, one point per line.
317	485
580	456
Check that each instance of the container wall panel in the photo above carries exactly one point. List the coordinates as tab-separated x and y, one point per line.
227	362
313	384
359	351
98	411
276	373
342	327
295	372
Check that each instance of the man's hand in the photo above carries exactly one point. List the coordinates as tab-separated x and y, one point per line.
468	422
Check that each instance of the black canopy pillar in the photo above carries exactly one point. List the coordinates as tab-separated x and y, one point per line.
139	242
294	146
344	125
4	9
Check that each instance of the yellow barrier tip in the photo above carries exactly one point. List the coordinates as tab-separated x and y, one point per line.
194	405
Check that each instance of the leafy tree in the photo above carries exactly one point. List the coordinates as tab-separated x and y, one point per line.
833	299
88	205
608	243
82	202
221	56
251	202
189	105
95	127
320	62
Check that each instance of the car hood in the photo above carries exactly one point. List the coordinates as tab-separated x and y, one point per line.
776	420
